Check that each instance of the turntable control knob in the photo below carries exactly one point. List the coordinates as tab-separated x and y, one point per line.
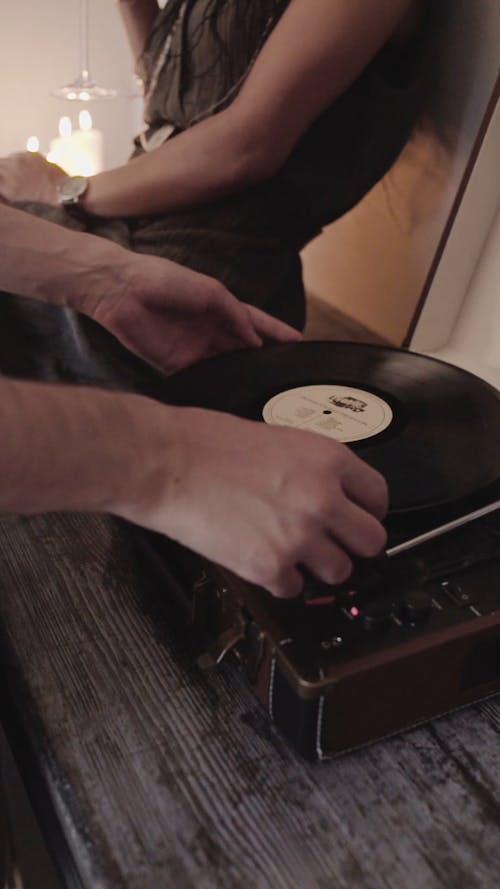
416	605
377	616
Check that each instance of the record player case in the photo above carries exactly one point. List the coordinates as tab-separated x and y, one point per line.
410	637
407	643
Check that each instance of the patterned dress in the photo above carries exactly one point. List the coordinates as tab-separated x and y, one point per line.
196	59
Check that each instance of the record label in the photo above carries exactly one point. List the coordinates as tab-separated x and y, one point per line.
340	412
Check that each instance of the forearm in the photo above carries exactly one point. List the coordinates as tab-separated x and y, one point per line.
330	43
48	262
214	158
66	448
138	17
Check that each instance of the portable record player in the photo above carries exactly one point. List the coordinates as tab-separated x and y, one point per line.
415	633
411	635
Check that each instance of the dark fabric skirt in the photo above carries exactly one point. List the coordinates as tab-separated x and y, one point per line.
237	240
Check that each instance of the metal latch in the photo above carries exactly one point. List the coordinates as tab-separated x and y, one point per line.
223	644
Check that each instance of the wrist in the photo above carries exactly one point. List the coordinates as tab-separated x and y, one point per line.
144	481
101	273
98	199
71	191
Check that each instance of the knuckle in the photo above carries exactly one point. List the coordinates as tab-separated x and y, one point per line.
259	568
268	567
320	496
334	567
371	544
286	588
341	569
381	494
335	455
280	576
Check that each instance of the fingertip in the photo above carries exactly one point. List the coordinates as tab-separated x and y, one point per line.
344	570
272	328
286	334
290	586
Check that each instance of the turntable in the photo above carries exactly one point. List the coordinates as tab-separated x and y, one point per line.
415	633
412	634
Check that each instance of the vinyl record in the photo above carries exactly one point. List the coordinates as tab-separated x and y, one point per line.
432	429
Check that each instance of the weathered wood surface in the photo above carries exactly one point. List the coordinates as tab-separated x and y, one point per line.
165	777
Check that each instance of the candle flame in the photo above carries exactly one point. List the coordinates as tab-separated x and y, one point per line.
85	120
32	144
65	127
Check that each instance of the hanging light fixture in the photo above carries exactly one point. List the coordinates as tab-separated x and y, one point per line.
84	88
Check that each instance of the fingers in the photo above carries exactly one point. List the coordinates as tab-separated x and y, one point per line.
365	486
342	529
327	561
288	584
272	328
245	322
323	557
237	321
358	531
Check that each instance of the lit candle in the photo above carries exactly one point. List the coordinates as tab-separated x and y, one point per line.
32	144
79	153
89	143
62	151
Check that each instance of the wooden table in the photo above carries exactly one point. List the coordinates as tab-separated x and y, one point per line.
150	774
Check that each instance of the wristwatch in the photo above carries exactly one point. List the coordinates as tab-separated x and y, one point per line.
71	190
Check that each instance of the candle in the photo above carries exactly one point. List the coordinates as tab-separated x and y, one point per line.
89	143
32	144
62	150
79	153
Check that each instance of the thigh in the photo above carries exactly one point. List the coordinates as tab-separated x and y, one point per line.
238	241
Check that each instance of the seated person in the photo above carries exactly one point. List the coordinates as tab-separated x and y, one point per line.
265	121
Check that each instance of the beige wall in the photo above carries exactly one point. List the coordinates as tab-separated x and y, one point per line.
39	51
372	263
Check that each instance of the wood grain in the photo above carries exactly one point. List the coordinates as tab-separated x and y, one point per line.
162	776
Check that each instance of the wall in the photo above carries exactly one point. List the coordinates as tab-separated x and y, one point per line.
39	51
460	321
372	264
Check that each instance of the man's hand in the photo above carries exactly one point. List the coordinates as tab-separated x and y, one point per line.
167	314
262	501
173	317
27	176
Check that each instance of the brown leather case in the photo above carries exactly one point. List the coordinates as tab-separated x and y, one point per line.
340	671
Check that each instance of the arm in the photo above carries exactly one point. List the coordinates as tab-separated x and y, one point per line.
138	17
262	501
315	52
167	314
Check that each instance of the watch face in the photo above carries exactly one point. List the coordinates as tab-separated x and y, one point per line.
72	188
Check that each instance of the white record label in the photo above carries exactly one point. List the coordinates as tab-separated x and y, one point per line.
339	412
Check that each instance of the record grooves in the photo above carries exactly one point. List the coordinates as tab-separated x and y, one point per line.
440	445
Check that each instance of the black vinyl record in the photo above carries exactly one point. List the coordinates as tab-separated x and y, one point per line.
432	429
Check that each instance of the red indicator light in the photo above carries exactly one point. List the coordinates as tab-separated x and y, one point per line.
354	612
321	600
